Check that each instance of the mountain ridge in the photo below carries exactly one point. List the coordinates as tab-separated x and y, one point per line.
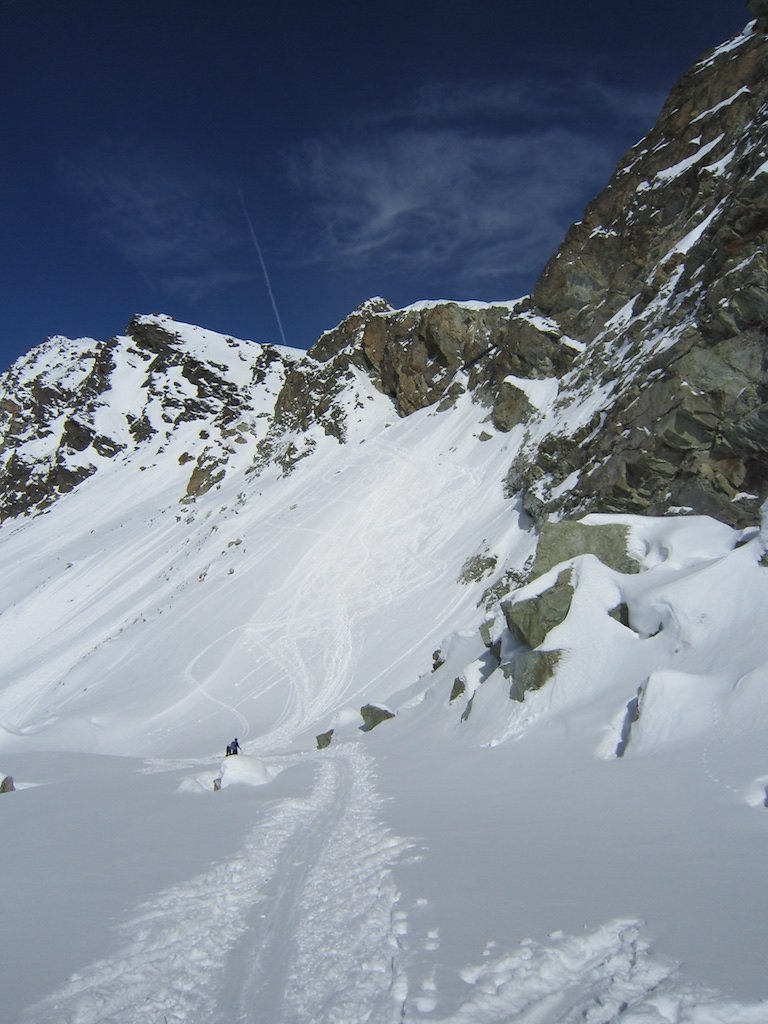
657	298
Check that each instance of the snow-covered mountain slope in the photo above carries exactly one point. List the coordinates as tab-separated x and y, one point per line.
501	761
70	409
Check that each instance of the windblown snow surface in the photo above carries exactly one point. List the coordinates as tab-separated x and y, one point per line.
457	865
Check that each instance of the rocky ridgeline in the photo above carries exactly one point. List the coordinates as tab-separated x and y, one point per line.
636	372
430	353
69	408
650	321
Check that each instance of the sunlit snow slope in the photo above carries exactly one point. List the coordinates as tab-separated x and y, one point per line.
393	875
135	625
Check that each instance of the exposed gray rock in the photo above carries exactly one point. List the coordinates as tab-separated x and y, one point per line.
373	715
459	687
530	670
621	614
607	541
324	739
676	246
6	784
511	407
531	620
759	8
416	356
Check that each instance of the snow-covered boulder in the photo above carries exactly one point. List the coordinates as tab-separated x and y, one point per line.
245	771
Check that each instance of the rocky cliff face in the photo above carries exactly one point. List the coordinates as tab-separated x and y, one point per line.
665	280
649	322
634	378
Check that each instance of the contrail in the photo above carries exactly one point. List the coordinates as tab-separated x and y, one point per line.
257	247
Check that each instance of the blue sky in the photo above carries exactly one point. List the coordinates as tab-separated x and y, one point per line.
419	150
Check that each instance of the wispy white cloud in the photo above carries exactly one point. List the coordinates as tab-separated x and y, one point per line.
479	181
582	104
171	222
199	283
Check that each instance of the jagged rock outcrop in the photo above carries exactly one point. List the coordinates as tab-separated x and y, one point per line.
373	715
665	281
432	352
69	408
7	784
530	620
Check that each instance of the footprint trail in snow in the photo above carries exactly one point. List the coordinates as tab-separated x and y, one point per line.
250	939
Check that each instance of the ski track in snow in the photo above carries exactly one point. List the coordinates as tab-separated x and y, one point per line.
245	726
313	877
344	565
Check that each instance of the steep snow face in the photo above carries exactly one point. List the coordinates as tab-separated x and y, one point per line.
137	624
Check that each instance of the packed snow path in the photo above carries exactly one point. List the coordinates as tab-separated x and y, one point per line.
305	925
249	940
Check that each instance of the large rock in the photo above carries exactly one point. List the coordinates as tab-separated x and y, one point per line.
373	715
607	541
531	620
511	407
665	280
6	784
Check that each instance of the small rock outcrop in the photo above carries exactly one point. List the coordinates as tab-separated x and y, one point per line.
324	739
529	621
6	784
530	670
373	715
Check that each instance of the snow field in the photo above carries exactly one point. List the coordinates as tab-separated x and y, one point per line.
272	609
313	874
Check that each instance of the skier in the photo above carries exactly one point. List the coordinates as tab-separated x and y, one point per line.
233	747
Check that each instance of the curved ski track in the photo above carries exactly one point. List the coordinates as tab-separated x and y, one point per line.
381	547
